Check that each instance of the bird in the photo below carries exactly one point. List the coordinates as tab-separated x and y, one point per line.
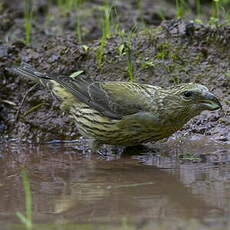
121	113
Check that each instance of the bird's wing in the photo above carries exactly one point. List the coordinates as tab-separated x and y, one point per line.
112	99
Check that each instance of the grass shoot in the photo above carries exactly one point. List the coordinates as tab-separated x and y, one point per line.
78	20
28	19
27	218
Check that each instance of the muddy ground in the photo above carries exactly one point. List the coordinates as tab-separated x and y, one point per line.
163	52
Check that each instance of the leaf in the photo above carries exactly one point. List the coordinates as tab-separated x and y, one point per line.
33	109
85	47
75	74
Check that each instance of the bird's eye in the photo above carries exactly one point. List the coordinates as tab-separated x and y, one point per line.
187	94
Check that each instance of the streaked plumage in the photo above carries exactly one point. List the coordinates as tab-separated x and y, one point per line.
125	113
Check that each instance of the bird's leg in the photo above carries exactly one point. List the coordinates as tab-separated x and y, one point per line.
110	151
94	145
116	149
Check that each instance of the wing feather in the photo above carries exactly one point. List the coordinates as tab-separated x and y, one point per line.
112	99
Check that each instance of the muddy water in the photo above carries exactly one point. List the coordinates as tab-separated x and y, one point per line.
135	188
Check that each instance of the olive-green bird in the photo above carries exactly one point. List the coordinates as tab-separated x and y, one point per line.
125	113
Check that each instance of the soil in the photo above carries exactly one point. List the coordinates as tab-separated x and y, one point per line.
163	52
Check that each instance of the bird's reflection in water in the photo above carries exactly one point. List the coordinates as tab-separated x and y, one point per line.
139	184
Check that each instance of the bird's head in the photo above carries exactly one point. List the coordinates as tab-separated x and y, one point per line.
189	100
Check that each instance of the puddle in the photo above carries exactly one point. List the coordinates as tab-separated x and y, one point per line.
72	187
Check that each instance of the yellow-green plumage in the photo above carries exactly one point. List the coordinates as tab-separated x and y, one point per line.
125	113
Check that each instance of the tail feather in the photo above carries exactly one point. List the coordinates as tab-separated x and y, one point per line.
26	70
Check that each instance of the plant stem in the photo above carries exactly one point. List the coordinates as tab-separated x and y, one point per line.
28	19
26	219
78	29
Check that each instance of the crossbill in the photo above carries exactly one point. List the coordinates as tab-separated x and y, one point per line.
124	113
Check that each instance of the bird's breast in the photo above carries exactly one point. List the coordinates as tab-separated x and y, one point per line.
128	132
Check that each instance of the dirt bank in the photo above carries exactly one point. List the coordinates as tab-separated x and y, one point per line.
173	52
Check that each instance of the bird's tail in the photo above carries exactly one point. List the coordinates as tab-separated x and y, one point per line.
50	82
26	70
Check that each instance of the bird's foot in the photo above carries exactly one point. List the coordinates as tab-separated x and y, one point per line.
110	151
107	150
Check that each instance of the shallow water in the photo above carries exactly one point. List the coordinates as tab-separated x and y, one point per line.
135	188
